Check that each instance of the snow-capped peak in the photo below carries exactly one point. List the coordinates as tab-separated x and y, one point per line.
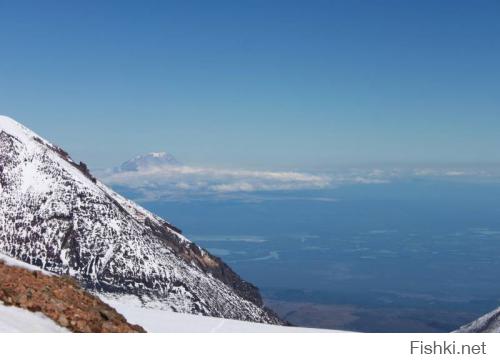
148	161
160	154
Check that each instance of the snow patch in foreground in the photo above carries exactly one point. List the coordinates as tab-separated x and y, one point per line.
16	320
164	321
10	261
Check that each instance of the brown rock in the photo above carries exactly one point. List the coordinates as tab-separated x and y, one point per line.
63	321
62	300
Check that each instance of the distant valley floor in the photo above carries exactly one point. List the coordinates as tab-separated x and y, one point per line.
369	320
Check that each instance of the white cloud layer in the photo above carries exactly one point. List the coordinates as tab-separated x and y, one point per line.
212	180
170	181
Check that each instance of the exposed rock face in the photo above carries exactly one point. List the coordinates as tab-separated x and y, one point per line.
62	300
489	323
56	215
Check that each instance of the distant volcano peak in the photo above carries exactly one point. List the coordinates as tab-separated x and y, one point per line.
151	160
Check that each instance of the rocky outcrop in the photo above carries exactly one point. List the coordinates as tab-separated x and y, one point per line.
62	300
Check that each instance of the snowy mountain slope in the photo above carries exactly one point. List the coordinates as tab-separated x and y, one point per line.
160	321
16	320
489	323
54	214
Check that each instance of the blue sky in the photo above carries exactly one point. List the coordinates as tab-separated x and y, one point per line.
268	84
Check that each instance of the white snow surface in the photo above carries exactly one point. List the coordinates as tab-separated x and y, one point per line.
489	323
9	261
155	320
16	320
